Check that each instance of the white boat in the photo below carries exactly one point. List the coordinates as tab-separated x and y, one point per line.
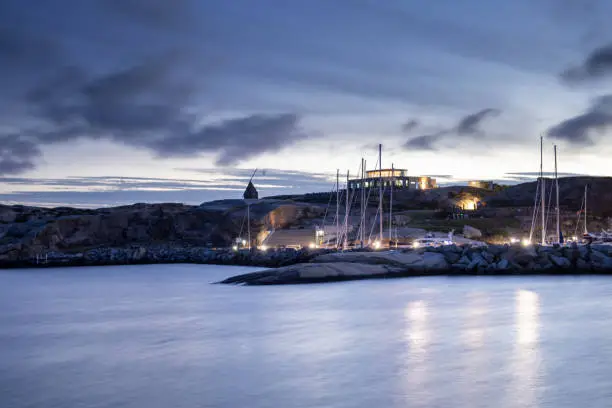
429	240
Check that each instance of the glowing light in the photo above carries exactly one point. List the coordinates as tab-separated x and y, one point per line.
526	242
263	247
312	245
376	244
244	242
416	244
527	311
235	247
514	240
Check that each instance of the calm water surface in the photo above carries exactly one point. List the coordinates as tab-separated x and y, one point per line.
162	336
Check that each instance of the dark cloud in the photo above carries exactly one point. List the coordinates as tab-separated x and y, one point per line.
470	124
467	126
235	139
143	97
146	105
17	154
598	64
580	130
410	125
424	142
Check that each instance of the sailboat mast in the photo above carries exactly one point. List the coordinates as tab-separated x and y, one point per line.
337	207
249	224
362	200
585	209
557	199
346	213
542	191
391	203
380	195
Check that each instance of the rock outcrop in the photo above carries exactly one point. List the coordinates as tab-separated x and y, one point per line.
448	260
31	233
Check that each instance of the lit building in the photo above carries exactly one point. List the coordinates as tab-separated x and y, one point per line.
397	177
487	185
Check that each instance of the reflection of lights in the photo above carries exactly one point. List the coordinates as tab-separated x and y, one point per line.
416	311
526	242
474	334
526	366
416	333
527	309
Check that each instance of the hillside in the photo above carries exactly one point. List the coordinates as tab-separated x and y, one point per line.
26	232
571	194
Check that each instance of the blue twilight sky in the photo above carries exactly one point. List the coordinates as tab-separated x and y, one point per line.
116	101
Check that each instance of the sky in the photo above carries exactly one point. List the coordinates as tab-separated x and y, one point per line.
108	102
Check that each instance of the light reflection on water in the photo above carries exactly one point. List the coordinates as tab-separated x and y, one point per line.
161	336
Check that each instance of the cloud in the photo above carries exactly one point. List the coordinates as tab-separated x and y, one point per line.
149	97
16	154
598	64
235	139
580	130
410	125
469	125
424	142
147	105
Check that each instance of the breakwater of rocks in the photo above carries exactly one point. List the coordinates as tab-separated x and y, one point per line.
158	255
448	260
357	264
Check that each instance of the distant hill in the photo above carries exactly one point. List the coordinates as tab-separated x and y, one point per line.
571	193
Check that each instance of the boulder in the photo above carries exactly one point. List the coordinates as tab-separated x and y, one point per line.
471	232
464	260
487	256
477	264
583	265
503	265
497	250
434	261
521	256
451	256
560	262
600	260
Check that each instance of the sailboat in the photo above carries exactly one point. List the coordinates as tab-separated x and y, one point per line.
590	237
541	208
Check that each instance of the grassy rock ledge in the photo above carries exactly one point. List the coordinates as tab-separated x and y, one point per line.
450	260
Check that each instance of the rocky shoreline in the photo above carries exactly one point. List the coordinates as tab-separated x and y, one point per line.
161	254
321	265
449	261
